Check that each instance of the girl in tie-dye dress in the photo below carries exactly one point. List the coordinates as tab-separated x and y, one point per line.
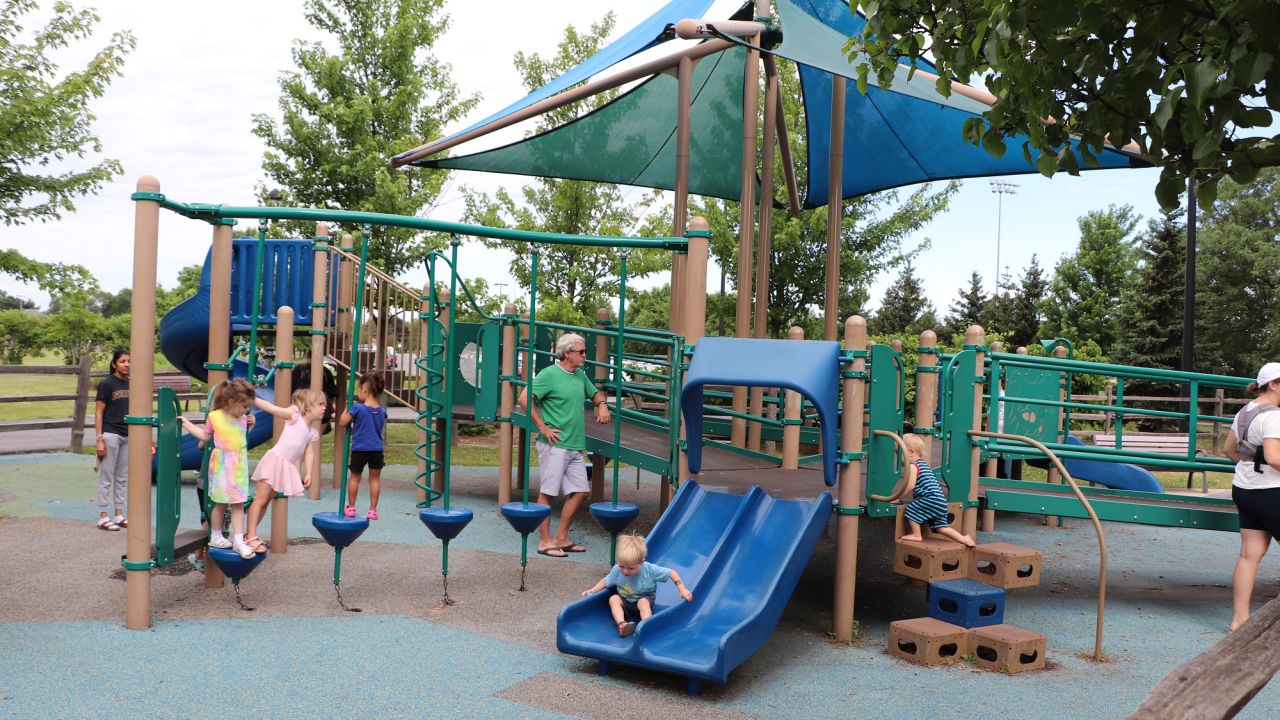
227	426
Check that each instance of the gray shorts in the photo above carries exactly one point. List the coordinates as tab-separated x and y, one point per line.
561	471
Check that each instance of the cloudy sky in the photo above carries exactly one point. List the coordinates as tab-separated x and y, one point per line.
181	112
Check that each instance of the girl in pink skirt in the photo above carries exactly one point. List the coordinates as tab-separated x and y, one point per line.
277	471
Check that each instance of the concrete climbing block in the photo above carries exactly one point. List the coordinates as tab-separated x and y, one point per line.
926	641
930	560
1005	566
1007	649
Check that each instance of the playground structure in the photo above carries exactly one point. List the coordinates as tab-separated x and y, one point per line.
704	442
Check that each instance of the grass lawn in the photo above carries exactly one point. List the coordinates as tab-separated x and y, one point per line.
23	384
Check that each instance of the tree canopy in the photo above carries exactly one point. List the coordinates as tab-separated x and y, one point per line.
1192	83
344	114
45	119
1087	287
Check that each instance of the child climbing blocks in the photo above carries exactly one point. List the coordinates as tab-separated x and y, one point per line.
1007	649
966	603
931	560
927	641
1005	566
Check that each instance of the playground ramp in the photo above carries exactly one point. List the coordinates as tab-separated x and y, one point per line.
741	555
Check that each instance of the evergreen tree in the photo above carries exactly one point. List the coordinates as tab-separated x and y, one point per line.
905	307
1023	326
969	308
1151	327
343	114
1087	287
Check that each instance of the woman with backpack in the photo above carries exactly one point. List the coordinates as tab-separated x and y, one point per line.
1254	443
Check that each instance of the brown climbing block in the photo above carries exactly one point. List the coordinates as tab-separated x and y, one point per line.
927	641
954	512
1007	649
1006	566
931	560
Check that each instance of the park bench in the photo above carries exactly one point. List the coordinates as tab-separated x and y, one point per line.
179	383
1168	443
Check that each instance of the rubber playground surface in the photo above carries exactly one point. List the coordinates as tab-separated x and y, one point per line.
64	651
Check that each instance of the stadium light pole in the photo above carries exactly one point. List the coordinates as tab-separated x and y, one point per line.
1000	188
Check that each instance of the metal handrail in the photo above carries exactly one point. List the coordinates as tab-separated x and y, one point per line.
1093	516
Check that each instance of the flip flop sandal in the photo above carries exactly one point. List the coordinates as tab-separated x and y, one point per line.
256	543
551	552
572	547
107	524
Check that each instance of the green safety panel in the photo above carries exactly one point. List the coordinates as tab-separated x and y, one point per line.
488	367
959	376
631	140
168	474
886	411
1033	420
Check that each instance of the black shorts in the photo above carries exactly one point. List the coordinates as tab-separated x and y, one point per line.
1259	509
631	609
360	458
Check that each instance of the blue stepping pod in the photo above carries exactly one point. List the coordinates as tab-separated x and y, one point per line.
966	603
232	565
339	530
614	518
525	518
445	524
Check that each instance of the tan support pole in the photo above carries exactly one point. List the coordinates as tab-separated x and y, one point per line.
283	398
694	321
684	73
993	420
346	286
424	349
142	340
446	310
506	404
791	412
219	337
746	224
835	195
319	321
850	491
926	390
974	336
599	374
1054	476
765	242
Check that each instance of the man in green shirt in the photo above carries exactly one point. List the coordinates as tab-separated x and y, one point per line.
558	393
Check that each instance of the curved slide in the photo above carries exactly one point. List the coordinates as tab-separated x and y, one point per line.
1115	475
741	555
184	341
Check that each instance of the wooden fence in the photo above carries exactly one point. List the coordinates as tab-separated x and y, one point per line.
1217	405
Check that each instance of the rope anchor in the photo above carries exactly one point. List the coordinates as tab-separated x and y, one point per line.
338	590
239	600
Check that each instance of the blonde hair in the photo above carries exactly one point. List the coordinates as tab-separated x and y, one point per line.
631	550
914	444
306	397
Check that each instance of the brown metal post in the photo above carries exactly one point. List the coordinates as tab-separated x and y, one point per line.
81	405
835	195
319	319
765	242
993	418
694	322
975	335
446	310
684	74
746	225
791	415
926	388
600	373
142	339
1054	476
219	337
506	401
850	491
283	398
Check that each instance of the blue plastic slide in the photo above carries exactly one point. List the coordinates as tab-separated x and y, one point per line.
741	555
1115	475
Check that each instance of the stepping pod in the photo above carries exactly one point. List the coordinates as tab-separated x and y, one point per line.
445	524
339	530
236	568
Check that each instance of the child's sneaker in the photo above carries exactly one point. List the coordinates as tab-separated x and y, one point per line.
625	629
243	549
218	541
350	511
196	562
372	514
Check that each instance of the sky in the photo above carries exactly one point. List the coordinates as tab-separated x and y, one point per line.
182	113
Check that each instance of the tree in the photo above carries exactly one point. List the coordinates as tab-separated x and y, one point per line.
21	335
573	281
45	119
76	331
343	114
1022	302
905	307
60	281
1238	278
1151	331
188	285
1190	83
873	229
1086	287
13	302
968	309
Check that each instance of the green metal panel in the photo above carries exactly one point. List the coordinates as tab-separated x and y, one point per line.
632	139
168	474
1039	422
959	376
489	365
886	411
1060	501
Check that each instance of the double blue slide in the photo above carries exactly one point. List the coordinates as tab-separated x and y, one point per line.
741	555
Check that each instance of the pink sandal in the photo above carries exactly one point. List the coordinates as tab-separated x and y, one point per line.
350	511
372	514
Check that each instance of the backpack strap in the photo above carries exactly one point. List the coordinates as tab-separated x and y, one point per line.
1244	419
